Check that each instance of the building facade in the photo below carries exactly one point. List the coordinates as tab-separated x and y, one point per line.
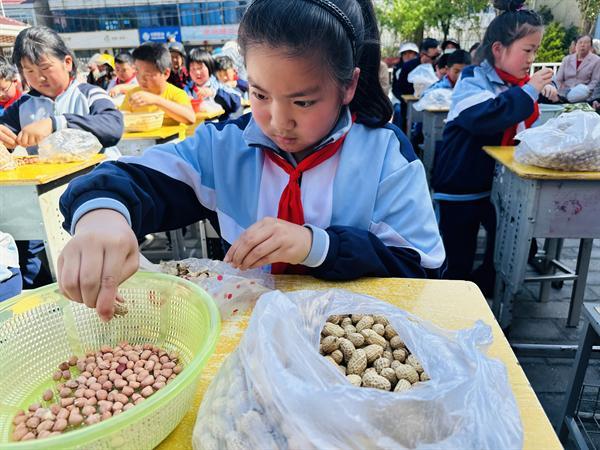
90	26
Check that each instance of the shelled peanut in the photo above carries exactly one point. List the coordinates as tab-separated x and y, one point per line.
368	350
96	387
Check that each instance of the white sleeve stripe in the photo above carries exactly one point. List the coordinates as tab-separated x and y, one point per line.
468	102
390	237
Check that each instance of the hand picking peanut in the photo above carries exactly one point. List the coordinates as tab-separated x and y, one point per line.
369	351
95	387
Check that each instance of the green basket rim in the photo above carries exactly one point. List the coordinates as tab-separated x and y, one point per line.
147	407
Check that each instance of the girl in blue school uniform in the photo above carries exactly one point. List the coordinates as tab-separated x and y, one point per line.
490	104
313	181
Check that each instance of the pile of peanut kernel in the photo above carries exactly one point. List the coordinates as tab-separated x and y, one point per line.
368	350
96	387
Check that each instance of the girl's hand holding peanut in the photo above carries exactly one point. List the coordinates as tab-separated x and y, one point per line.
101	255
268	241
7	137
541	78
550	92
34	133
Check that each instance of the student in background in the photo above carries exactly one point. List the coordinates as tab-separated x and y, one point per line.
204	83
178	76
450	45
153	67
10	85
125	75
457	61
228	76
56	101
490	104
319	118
441	66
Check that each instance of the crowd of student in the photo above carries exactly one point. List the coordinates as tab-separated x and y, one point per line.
282	180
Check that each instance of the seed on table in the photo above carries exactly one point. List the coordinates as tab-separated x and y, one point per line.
95	386
33	422
120	384
105	406
91	401
101	394
29	436
46	425
105	415
60	425
79	393
94	418
65	392
134	384
19	419
127	390
117	406
81	365
128	406
72	384
88	410
89	393
177	369
62	414
148	381
105	349
80	402
107	385
66	374
166	372
121	368
158	385
121	398
19	434
63	366
64	402
57	375
75	419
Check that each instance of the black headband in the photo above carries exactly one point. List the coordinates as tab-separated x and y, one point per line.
342	18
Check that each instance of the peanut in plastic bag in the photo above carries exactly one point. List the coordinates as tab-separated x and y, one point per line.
68	145
276	391
7	162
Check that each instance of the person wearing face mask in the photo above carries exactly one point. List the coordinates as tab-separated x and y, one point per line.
179	75
579	72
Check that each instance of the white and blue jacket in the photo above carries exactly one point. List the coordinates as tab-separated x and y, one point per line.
483	107
443	83
81	106
368	206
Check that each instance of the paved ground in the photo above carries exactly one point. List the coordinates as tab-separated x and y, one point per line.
544	323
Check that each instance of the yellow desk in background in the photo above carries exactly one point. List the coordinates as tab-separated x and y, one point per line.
134	143
534	202
29	198
203	116
448	304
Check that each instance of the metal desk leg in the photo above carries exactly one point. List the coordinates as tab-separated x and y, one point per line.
551	253
588	338
583	265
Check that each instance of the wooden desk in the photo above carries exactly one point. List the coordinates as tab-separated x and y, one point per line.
535	202
434	120
412	115
448	304
29	198
201	117
134	143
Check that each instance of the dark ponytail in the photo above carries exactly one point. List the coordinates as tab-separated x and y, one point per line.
515	22
306	27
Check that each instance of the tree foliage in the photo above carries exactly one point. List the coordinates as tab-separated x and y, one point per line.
407	17
589	12
553	48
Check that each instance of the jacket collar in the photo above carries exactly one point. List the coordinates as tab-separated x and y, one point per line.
491	74
254	136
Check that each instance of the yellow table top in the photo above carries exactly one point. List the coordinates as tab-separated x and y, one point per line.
505	156
208	115
410	98
437	110
160	133
245	102
42	173
448	304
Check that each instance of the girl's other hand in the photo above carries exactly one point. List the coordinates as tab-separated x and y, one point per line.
34	133
550	92
7	137
541	78
101	255
268	241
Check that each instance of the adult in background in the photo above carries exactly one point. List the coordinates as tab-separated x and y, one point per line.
179	75
428	52
579	72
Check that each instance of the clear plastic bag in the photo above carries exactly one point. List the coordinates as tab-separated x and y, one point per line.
422	77
569	142
234	291
277	392
437	98
7	162
68	145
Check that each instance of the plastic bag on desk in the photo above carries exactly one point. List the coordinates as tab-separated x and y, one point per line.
276	391
569	142
69	145
7	162
234	291
438	98
422	77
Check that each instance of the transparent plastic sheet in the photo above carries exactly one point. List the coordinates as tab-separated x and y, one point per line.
69	145
7	161
438	98
233	290
570	141
277	392
422	77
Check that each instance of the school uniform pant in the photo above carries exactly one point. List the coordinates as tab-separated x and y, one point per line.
459	225
12	286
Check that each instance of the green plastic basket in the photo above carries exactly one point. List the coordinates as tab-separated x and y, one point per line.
41	328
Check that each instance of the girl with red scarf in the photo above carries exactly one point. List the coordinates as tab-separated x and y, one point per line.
490	104
10	86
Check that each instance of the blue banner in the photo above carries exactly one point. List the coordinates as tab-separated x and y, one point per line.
159	34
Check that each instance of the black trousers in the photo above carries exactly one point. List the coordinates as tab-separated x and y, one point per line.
459	226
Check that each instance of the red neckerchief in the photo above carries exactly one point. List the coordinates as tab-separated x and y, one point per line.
509	134
127	81
16	97
290	202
